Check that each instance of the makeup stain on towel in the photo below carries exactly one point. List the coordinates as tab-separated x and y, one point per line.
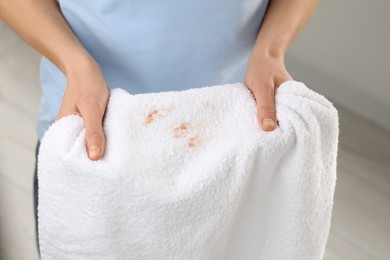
182	131
156	113
193	141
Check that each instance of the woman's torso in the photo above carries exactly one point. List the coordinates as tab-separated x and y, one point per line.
151	46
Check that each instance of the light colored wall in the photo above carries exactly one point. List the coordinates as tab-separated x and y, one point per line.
343	52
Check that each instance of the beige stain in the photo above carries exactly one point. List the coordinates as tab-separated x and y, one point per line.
193	141
180	131
156	113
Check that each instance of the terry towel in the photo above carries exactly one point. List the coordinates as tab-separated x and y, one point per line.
191	175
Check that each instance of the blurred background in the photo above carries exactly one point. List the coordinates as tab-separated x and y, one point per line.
343	52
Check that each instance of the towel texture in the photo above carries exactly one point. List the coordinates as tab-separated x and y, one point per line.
190	175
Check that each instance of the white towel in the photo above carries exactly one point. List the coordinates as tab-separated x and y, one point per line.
191	175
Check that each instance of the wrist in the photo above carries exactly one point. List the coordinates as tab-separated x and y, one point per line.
268	52
275	47
81	64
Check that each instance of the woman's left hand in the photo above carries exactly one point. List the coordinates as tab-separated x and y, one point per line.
264	75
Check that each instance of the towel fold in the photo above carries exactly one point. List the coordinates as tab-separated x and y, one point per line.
191	175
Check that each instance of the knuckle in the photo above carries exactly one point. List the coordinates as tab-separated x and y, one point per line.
93	135
268	90
265	100
267	109
263	88
92	110
101	106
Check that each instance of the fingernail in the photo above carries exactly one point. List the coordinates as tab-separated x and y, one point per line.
94	151
268	122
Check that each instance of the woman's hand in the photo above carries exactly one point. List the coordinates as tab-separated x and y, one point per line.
87	95
266	71
41	24
264	75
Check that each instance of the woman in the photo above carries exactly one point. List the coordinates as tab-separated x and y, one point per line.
151	46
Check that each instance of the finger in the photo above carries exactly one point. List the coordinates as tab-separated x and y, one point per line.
266	112
94	135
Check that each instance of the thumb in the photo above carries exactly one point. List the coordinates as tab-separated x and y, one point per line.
266	112
94	134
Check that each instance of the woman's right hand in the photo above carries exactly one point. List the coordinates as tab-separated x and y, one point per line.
41	24
87	95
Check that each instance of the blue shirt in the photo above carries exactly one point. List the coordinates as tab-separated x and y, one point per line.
152	45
